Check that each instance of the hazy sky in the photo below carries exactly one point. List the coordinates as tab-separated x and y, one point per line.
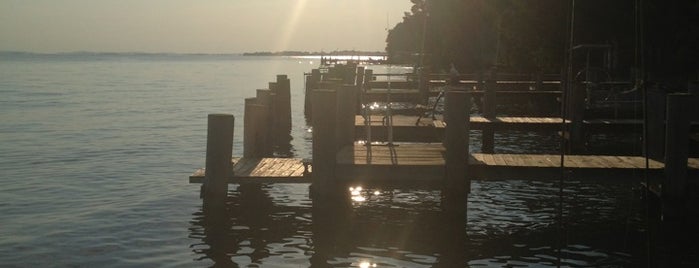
196	26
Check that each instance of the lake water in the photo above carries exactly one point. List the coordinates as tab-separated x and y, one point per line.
95	151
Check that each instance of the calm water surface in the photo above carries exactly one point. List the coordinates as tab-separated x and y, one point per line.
95	151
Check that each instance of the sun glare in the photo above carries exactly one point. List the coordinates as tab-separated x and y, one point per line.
291	25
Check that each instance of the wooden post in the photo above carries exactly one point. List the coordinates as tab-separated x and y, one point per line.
349	74
219	153
424	84
311	84
359	84
576	114
674	188
283	105
256	130
457	185
368	77
360	76
266	99
489	111
346	97
324	145
655	131
249	138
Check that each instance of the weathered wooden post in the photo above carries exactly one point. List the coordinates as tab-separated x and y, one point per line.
360	76
266	98
311	84
219	153
359	84
368	77
283	105
576	114
489	111
346	97
656	100
324	144
456	184
256	130
423	84
674	188
349	74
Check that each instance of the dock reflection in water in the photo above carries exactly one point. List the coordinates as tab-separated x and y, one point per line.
509	223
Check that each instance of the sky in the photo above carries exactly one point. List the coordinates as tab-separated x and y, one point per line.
196	26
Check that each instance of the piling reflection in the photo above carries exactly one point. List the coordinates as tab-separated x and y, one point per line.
508	224
357	227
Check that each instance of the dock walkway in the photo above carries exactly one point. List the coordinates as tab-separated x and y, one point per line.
424	162
267	170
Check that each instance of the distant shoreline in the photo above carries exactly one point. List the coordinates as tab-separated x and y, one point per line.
281	53
306	53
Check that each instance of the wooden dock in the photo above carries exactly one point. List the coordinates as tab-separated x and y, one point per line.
425	162
409	129
263	170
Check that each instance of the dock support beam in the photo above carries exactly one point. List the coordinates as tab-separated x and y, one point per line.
324	103
282	99
423	85
346	102
656	100
311	84
576	115
456	184
219	152
489	110
674	188
256	130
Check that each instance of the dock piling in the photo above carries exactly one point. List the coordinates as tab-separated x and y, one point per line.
324	144
256	129
282	103
219	152
674	188
656	100
489	111
456	184
346	102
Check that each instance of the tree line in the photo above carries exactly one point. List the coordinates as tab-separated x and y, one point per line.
534	36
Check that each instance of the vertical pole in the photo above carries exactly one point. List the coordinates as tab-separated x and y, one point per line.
359	83
349	74
249	127
265	98
311	84
345	115
674	188
489	108
576	114
457	185
423	84
324	144
360	76
283	95
219	151
368	77
655	131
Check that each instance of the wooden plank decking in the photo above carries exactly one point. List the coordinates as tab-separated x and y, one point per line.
408	128
268	170
424	162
